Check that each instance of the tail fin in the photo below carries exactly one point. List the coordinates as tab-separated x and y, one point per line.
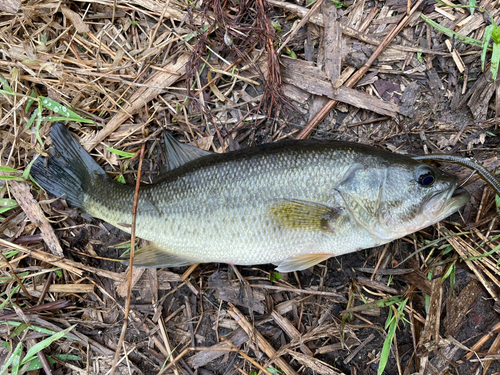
68	172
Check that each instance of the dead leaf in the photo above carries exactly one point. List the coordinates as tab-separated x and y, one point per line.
76	20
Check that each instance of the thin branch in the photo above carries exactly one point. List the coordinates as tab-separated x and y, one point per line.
131	263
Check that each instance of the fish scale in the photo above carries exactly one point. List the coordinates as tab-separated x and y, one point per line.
293	203
200	215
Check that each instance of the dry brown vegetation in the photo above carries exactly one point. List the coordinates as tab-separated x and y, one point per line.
222	75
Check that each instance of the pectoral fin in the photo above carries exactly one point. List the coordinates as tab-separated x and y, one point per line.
301	262
152	256
179	153
297	214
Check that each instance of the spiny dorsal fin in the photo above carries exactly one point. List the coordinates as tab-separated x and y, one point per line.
303	215
301	262
179	153
153	256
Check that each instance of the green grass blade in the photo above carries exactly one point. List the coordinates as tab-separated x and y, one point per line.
67	357
395	315
26	172
39	123
34	328
472	7
32	99
15	356
45	343
57	118
68	115
35	114
380	303
6	86
9	278
7	299
449	271
19	329
386	349
121	153
6	92
35	364
495	57
451	33
430	244
8	169
486	41
472	3
9	178
485	254
16	365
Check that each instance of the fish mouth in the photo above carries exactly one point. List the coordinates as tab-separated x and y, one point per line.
444	203
457	200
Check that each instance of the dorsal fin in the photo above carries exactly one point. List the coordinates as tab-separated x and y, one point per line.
178	154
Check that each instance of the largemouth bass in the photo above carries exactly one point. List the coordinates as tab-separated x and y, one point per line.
293	204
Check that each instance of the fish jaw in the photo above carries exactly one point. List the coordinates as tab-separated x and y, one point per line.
443	205
436	208
439	207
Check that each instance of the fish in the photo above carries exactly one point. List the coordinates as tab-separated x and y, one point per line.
293	203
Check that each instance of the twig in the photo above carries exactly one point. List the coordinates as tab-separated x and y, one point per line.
190	349
66	264
300	291
358	348
189	271
255	363
14	275
155	30
45	288
42	358
131	262
299	26
477	346
56	305
366	122
260	341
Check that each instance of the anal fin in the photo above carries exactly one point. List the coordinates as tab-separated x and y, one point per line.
152	256
301	262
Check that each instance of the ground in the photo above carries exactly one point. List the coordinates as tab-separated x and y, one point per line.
225	75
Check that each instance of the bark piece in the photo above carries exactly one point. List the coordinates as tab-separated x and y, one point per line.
429	338
22	194
237	338
459	307
234	292
408	99
311	79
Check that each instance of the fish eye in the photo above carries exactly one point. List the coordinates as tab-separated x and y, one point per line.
425	177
